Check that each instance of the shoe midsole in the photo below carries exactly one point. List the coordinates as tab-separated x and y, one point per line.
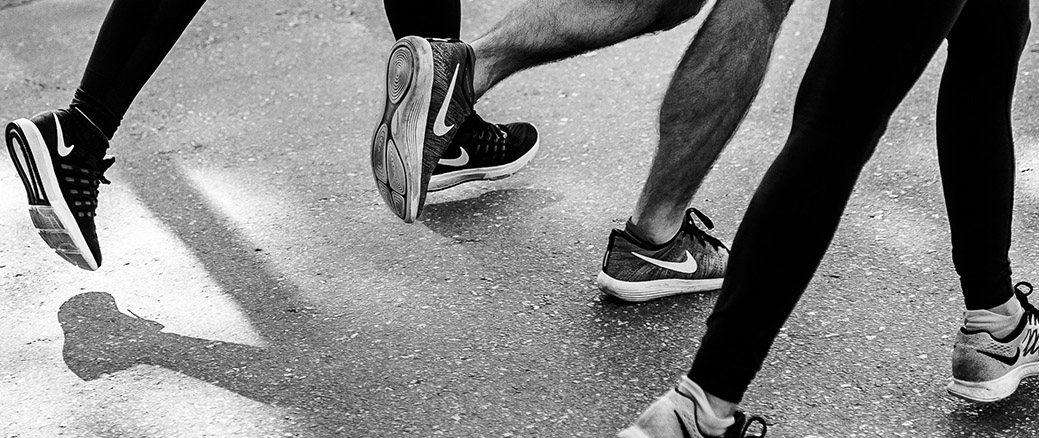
637	291
450	179
995	389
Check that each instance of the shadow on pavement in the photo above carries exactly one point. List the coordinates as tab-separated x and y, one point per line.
302	365
472	214
993	419
99	340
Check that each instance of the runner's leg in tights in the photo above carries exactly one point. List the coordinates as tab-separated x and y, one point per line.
975	148
137	35
870	55
133	40
425	18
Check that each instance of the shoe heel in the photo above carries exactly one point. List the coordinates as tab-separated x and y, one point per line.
387	164
18	148
399	71
397	144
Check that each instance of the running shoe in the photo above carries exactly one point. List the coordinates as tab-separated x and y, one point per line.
61	165
673	415
484	151
99	339
986	369
429	94
693	261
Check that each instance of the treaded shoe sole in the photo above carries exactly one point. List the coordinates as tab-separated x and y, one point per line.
992	390
639	291
47	208
450	179
397	144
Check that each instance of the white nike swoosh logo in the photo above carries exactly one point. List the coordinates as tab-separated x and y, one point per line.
686	267
62	150
440	124
462	159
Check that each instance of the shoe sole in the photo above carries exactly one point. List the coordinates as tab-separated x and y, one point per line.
450	179
397	144
640	291
992	390
47	208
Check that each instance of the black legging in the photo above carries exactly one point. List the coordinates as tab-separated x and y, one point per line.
138	34
870	55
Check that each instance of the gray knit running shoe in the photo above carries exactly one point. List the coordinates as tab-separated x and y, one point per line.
986	369
673	415
429	94
693	261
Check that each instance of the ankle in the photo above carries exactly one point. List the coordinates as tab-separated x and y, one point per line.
999	321
713	415
647	235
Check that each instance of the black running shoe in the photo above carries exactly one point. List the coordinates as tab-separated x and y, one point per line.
484	151
693	261
61	165
429	93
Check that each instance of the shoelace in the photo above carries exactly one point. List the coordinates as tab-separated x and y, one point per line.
82	184
1023	297
742	427
489	139
701	235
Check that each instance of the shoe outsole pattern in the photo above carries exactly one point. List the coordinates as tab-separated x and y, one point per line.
397	144
641	291
50	214
993	390
450	179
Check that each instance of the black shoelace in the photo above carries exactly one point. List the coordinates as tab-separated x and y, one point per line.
1023	297
743	426
82	186
701	235
490	140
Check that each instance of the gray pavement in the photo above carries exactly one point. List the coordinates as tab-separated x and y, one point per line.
243	218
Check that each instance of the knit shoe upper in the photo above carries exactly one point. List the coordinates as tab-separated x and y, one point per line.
429	94
484	151
986	369
673	415
61	164
693	261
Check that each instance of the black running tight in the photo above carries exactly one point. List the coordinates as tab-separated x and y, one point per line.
138	34
870	55
426	18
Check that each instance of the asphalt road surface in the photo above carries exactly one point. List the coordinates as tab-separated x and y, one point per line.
264	290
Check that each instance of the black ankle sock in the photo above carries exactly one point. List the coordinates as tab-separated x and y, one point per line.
427	19
640	239
89	133
89	110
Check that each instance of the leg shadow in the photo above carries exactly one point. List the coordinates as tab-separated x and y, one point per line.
100	340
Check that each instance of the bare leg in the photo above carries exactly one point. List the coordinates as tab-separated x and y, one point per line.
542	31
713	87
709	94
